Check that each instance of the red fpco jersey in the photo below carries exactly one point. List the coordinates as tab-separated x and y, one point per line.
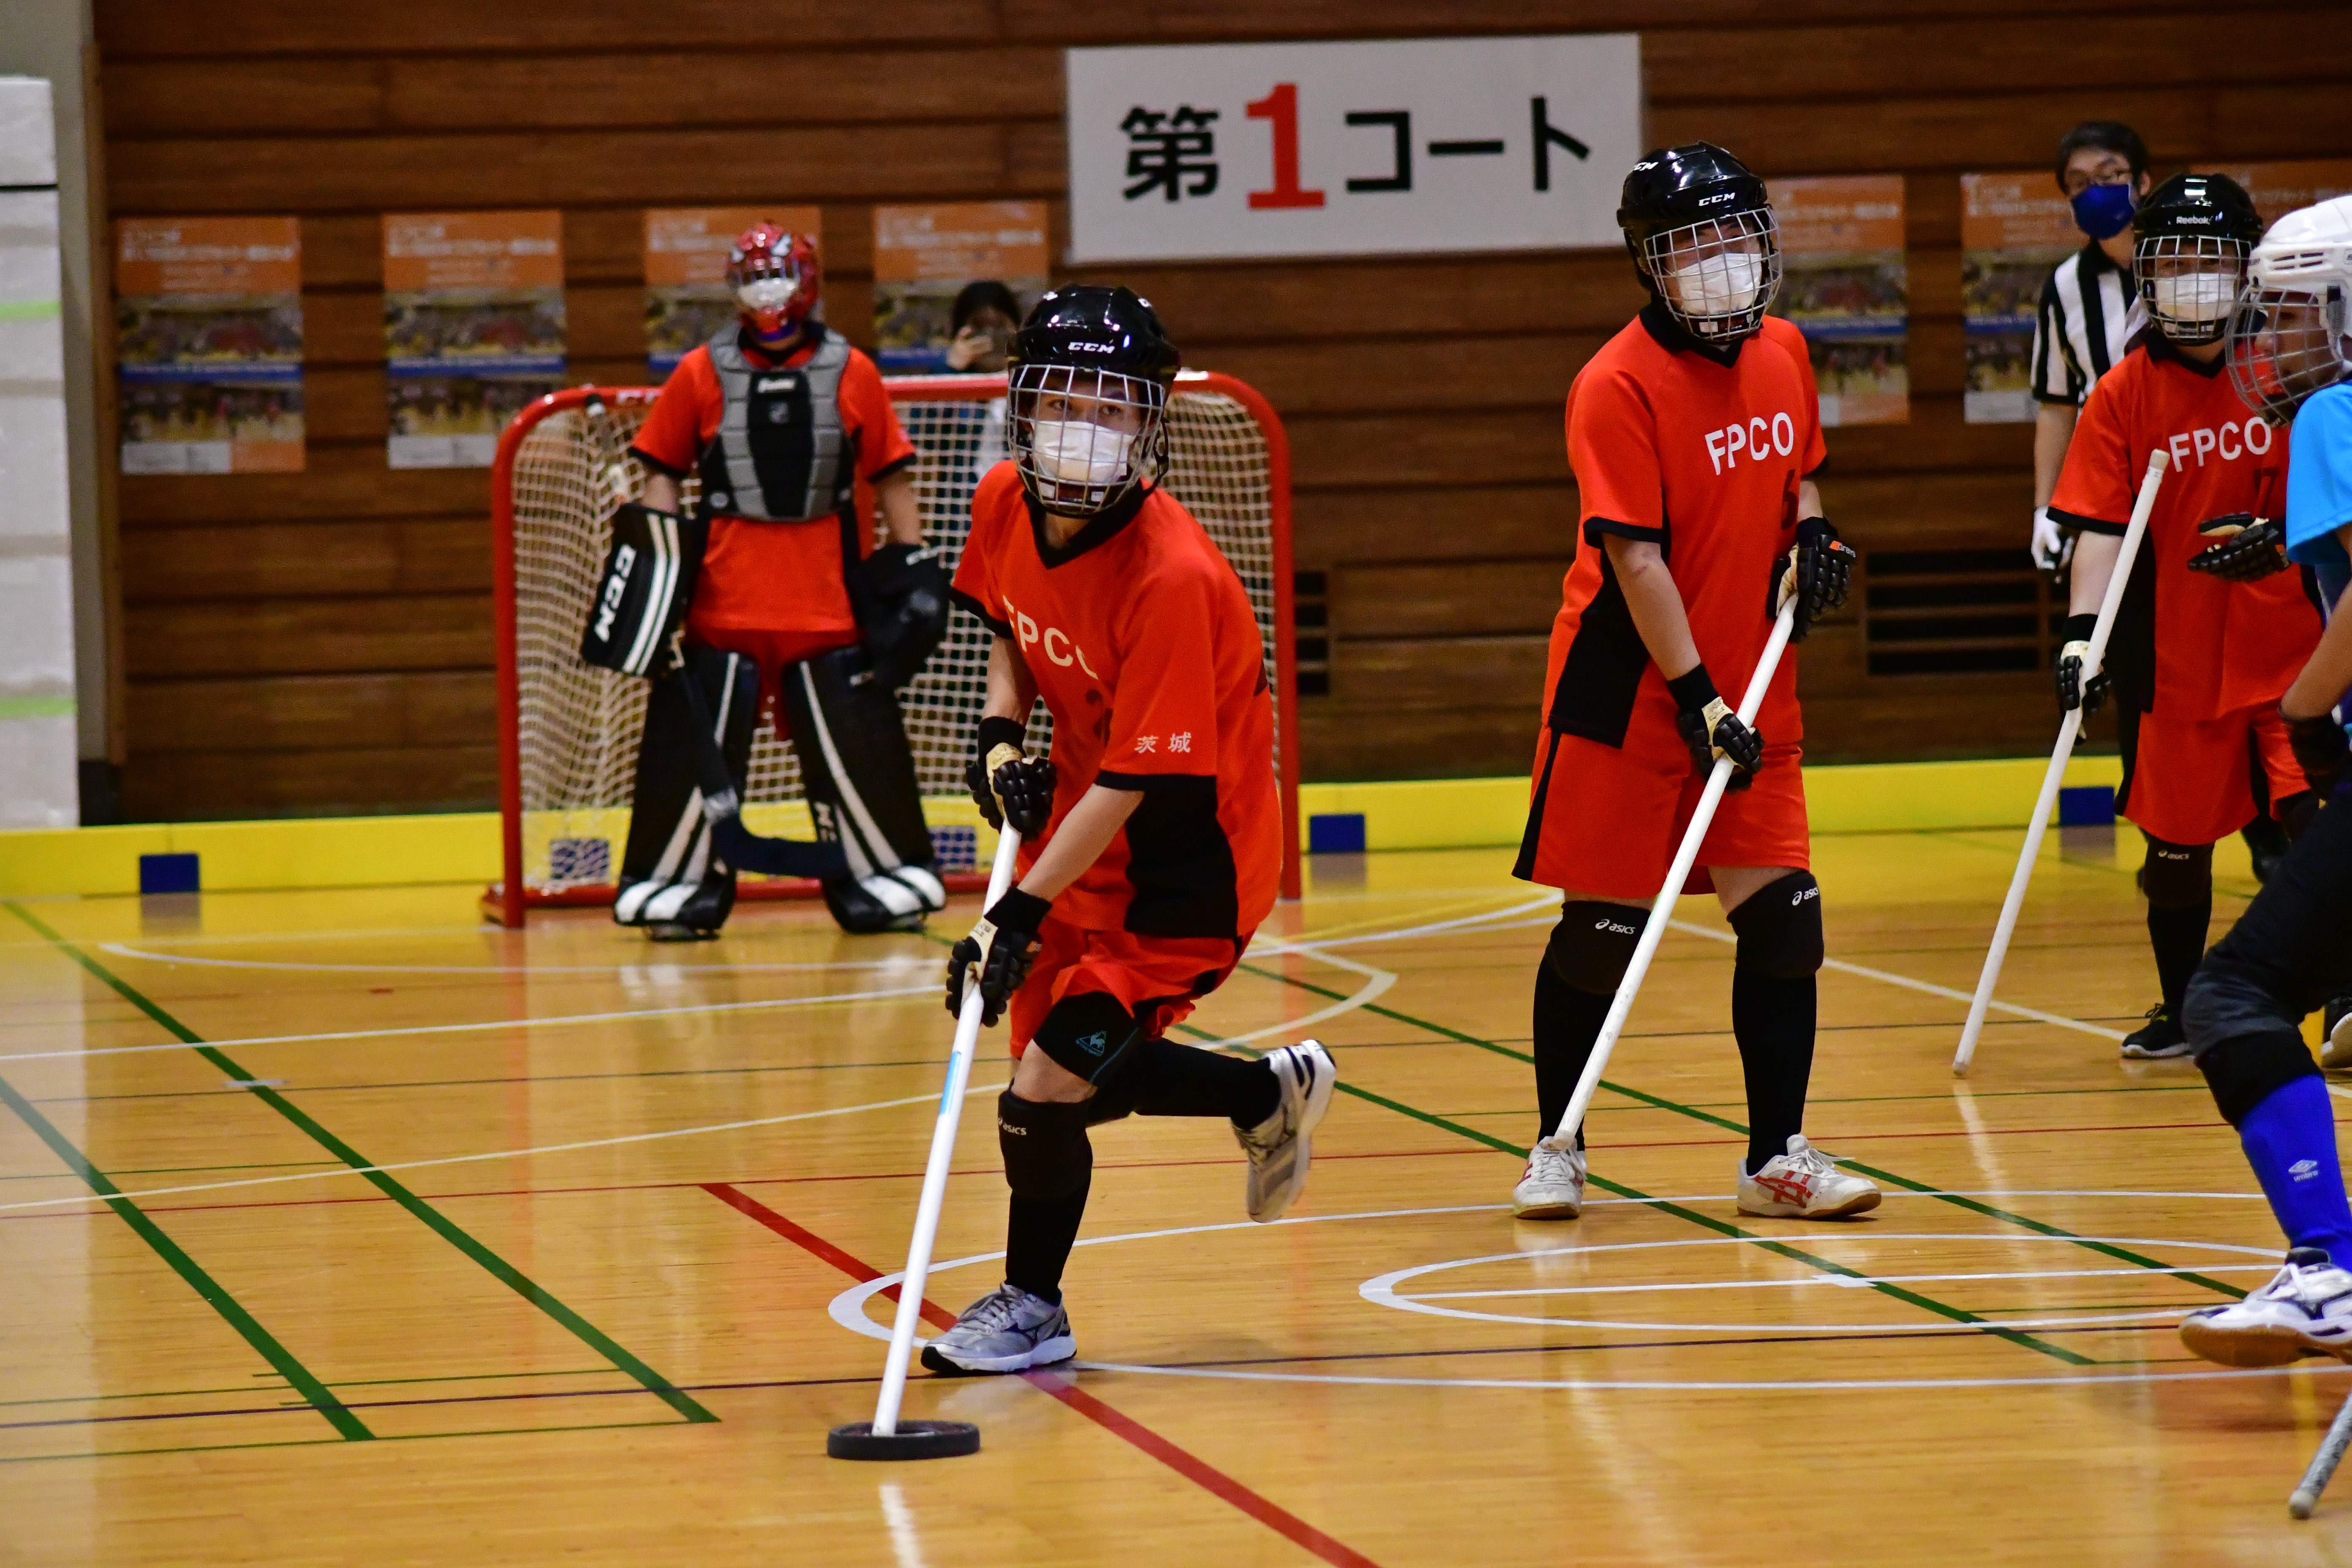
1142	643
2210	646
1703	459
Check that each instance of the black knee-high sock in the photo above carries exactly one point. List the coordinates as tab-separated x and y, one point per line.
1038	1235
1163	1078
1772	1018
1566	1023
2177	936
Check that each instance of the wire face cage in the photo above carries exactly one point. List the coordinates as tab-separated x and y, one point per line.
1718	278
2190	283
2285	343
568	731
1084	438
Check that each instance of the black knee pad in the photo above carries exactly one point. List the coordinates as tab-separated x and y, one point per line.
1091	1034
1779	928
1047	1154
2176	876
1593	943
2243	1070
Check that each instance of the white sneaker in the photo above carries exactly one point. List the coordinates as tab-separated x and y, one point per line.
1278	1148
2336	1035
1007	1330
1553	1186
1804	1184
2306	1309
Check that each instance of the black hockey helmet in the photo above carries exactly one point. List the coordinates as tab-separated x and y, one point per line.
2190	240
1699	227
1089	376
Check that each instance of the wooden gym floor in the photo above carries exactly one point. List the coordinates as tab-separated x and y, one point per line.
421	1242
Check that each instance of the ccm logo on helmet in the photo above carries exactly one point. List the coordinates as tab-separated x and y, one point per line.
2225	441
1058	646
1755	437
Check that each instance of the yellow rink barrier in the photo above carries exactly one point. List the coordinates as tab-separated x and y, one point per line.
1432	814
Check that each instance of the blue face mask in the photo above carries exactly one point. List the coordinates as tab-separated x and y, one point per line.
2102	211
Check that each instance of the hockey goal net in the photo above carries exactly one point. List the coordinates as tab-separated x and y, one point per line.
568	732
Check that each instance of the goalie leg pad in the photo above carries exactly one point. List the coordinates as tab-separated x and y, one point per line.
669	870
1593	943
1779	928
859	775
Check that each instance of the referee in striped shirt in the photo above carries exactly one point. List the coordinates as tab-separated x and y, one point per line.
2090	305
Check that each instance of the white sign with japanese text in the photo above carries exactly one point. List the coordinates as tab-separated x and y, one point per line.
1424	144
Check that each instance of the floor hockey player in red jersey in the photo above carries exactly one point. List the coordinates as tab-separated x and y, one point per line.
1151	842
1691	434
2196	662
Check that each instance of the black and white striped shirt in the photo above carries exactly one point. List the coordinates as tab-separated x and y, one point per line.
2089	308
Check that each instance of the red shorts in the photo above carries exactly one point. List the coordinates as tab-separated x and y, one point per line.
2191	781
1606	821
1157	978
774	653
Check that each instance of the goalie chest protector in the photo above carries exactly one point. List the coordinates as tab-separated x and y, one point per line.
780	454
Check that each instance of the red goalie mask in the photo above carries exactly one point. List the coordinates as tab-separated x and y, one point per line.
774	276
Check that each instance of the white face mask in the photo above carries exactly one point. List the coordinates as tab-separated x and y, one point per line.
1079	453
1721	285
766	294
2196	296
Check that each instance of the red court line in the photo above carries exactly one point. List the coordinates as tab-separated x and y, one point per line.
1193	1468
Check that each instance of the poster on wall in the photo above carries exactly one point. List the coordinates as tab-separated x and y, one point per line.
926	260
687	298
473	329
1845	286
1351	149
208	344
2279	189
2013	229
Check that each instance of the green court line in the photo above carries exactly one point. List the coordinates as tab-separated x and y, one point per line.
314	1442
340	1382
248	1327
425	1214
1658	1102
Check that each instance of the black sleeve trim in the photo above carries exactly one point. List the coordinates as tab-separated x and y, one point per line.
980	613
886	469
657	466
2085	524
1594	527
1199	783
2073	400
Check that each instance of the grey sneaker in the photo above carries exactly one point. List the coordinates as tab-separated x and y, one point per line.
1278	1148
1007	1330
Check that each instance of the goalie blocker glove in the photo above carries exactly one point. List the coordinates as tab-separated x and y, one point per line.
2248	548
1007	784
642	592
1819	574
909	584
2073	692
999	951
1712	731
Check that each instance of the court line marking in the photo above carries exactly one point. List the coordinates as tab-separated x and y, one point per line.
1119	1424
208	1290
927	989
655	973
448	1230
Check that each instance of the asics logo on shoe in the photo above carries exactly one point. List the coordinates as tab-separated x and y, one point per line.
1093	1045
2304	1170
1788	1189
1610	925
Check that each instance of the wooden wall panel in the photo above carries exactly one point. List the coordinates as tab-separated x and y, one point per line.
321	641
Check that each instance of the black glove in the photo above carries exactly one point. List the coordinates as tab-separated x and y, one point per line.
908	583
2072	692
1001	947
1006	784
2320	750
2250	548
1819	574
1712	731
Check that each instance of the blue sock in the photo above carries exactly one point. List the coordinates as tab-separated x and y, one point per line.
2290	1140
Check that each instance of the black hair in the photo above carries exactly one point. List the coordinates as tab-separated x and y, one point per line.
2104	136
985	295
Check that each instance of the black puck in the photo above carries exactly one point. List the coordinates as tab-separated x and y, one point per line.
913	1440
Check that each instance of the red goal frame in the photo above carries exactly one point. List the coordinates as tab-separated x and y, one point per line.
509	901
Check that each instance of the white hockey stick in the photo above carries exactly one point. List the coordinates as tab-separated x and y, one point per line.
2068	730
1564	1135
2323	1465
935	1173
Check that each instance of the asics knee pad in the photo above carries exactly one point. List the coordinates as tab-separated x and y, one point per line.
2176	876
1593	943
1047	1154
1779	928
1092	1033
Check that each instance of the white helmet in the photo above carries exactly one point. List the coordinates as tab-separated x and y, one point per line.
2289	335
